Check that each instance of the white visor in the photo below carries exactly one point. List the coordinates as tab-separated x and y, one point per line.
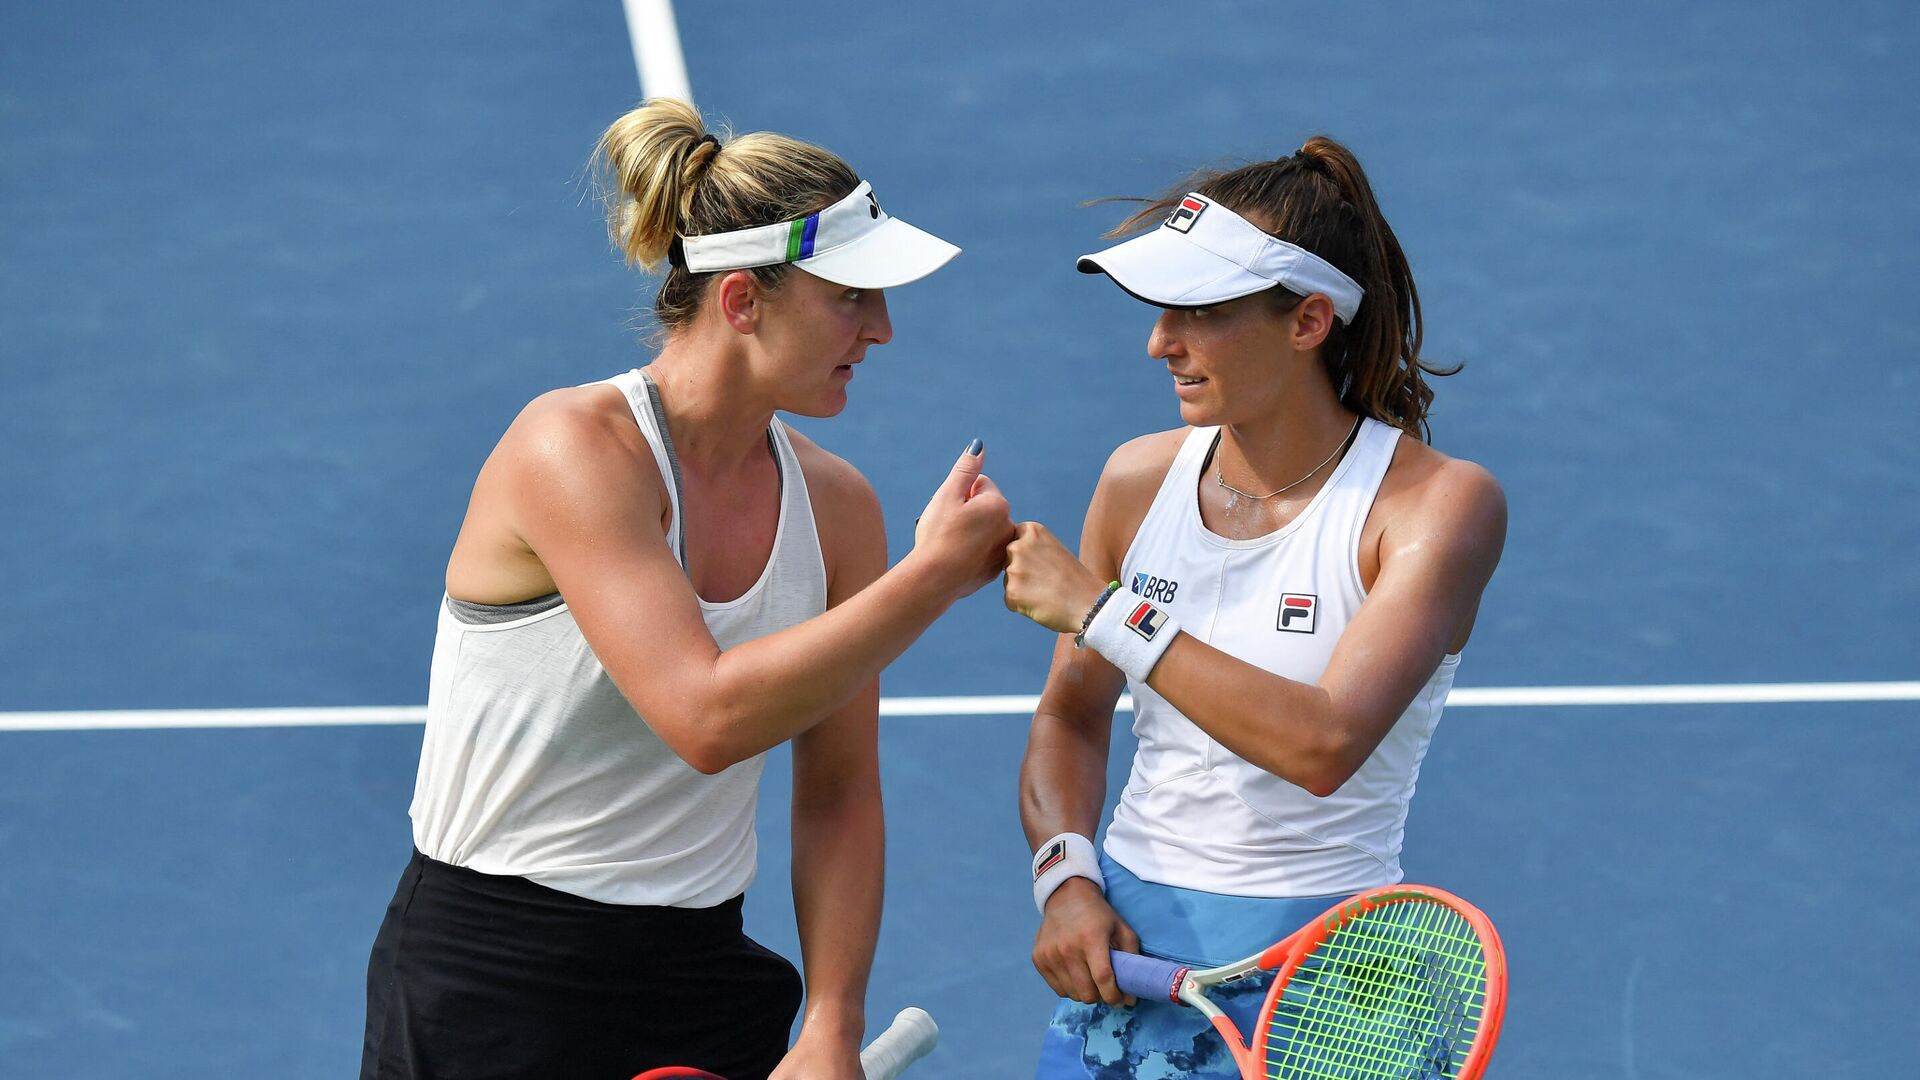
1206	254
852	243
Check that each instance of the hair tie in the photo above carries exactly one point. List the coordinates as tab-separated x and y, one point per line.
704	139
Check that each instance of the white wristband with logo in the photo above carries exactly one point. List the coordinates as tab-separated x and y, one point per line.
1132	633
1068	855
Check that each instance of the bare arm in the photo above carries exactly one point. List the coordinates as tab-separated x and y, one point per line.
1063	778
1434	564
839	839
1435	560
583	496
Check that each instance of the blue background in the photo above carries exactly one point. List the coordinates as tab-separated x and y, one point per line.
273	280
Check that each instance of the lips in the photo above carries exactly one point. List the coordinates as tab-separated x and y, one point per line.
1186	386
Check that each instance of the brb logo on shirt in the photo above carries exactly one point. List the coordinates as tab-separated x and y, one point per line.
1298	612
1155	588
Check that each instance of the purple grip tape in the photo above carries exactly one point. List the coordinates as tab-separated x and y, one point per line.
1147	977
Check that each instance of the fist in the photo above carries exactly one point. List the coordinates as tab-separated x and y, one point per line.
1045	582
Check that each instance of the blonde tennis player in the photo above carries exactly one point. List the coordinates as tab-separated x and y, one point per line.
657	581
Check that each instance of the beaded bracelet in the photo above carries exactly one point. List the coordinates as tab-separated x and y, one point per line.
1080	639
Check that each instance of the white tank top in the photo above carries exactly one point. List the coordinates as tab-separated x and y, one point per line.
534	764
1193	813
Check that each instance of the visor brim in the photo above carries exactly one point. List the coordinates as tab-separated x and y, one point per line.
1165	270
894	254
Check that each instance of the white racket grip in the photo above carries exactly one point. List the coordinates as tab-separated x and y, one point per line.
912	1034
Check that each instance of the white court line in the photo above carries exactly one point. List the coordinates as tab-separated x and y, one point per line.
996	705
656	49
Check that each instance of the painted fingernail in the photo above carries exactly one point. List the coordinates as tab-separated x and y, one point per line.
976	447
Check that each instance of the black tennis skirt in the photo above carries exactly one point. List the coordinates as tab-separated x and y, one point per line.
477	976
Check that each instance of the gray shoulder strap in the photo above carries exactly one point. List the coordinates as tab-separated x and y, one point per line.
673	458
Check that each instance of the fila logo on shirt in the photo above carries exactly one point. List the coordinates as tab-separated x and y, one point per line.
1298	612
1155	588
1146	620
1188	212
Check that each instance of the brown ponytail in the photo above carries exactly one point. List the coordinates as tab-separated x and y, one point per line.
662	176
1319	199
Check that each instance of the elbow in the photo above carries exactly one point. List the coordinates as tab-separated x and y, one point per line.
710	752
1322	785
707	761
1332	755
696	740
1327	767
1316	772
705	730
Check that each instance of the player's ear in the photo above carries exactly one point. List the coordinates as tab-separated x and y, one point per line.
737	296
1312	322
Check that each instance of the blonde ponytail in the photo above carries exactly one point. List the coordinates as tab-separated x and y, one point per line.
652	159
664	176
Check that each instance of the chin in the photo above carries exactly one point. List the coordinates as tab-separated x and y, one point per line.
827	405
1197	414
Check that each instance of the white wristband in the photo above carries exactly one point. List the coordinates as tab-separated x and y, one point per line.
1132	633
1068	855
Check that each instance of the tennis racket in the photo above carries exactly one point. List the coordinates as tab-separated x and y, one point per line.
1404	982
908	1039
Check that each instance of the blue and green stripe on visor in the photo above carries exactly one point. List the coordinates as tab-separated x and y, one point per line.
832	242
800	236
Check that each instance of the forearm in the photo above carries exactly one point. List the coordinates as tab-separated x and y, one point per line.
839	846
769	690
1286	727
1063	778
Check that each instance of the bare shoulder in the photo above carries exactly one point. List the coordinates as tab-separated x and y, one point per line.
836	488
1135	469
1131	478
576	424
573	463
1428	497
580	447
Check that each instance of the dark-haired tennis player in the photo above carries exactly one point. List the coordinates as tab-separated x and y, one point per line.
656	582
1295	573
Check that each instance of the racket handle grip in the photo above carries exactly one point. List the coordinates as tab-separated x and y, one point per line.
1148	977
908	1039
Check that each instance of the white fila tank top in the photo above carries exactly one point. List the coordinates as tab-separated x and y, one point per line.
1193	813
534	764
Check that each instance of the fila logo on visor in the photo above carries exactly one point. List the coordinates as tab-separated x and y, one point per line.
1187	213
1297	612
1146	621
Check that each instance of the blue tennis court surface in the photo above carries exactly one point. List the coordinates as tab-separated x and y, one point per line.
273	279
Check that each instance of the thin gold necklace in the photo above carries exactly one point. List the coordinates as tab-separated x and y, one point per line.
1237	494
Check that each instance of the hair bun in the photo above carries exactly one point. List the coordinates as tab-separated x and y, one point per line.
652	159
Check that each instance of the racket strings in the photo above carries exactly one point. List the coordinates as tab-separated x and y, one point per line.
1349	1020
1378	1032
1394	992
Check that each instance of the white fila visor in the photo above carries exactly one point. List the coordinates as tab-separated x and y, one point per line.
1206	254
852	243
